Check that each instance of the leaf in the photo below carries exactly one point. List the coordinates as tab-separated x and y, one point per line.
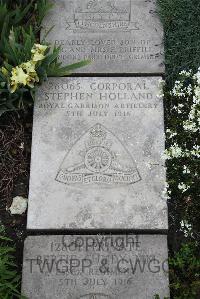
21	13
46	34
43	6
56	70
76	65
3	14
11	52
4	31
51	57
8	66
2	238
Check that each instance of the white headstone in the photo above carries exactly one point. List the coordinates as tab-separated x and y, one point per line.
118	36
97	155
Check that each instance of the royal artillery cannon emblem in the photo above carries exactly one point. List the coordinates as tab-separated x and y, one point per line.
98	158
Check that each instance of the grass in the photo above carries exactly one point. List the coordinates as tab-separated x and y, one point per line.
181	20
9	278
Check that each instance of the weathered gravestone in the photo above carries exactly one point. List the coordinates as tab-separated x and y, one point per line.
119	36
95	267
96	155
97	158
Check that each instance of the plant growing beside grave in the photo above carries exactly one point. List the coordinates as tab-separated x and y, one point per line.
185	269
181	21
183	147
24	63
184	272
182	160
9	278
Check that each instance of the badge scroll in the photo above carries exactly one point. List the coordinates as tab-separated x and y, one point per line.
98	158
103	15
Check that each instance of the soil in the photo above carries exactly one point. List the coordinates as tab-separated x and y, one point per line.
15	153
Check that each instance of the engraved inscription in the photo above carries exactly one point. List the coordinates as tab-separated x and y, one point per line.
101	100
118	36
96	267
97	146
98	158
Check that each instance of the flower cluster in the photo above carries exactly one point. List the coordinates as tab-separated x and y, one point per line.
38	52
187	108
25	74
166	193
182	134
186	228
182	120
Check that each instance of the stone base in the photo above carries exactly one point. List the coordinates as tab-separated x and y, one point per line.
95	267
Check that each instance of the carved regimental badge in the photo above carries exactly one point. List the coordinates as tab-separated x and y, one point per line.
98	158
103	15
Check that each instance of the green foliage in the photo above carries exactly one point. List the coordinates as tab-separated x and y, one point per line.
185	272
182	124
10	19
19	27
17	48
22	12
181	20
41	8
9	279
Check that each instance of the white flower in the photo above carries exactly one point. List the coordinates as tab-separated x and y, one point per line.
195	100
196	151
185	73
190	126
178	89
176	151
183	187
180	106
197	76
189	89
186	170
166	192
197	92
185	227
170	133
192	113
19	205
173	152
21	145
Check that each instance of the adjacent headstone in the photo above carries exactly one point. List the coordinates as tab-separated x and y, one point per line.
97	155
95	267
118	36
